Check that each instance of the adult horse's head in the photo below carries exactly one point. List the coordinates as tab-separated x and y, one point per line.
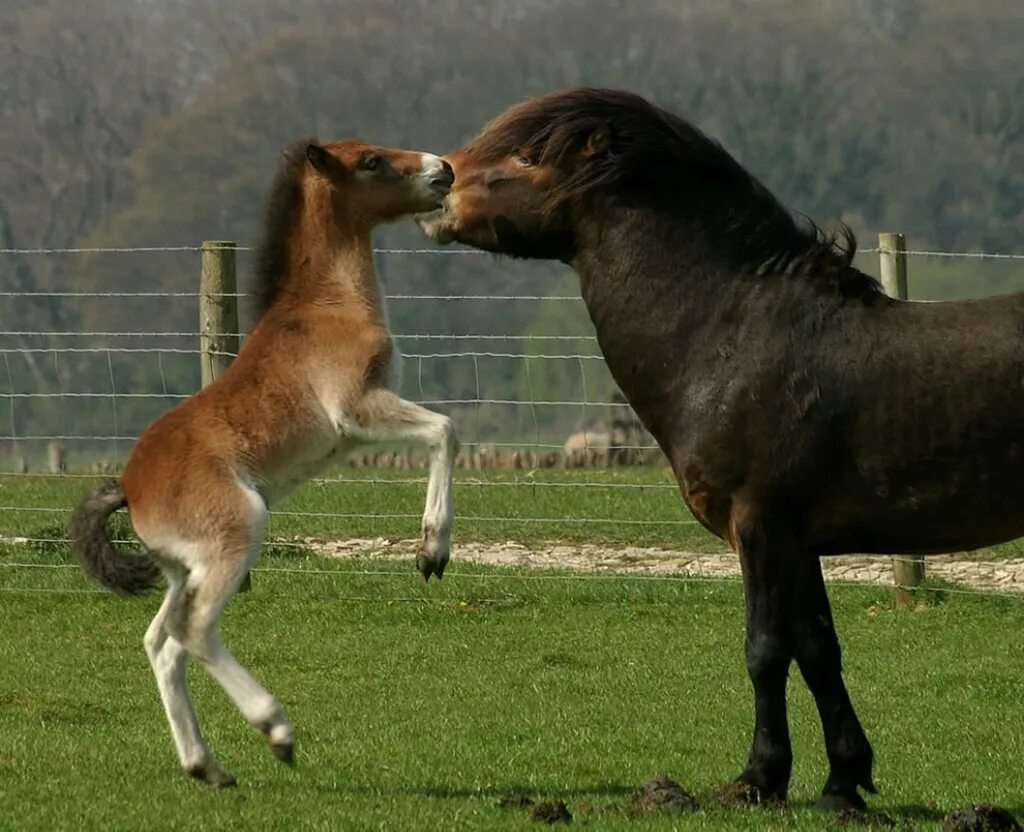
532	176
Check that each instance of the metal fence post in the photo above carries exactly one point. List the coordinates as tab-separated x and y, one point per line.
908	572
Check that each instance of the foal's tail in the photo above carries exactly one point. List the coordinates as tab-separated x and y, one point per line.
124	573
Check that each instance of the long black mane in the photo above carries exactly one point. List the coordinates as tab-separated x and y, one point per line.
658	160
284	200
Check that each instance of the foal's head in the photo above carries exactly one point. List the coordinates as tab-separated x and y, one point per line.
341	189
375	184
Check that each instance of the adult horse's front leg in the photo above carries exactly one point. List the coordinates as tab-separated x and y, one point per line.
385	417
768	594
819	659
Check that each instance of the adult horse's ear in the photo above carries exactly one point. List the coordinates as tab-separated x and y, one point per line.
598	142
319	158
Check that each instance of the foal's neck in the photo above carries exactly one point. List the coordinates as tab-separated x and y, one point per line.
331	263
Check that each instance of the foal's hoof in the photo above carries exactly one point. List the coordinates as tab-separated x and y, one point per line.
841	803
285	752
429	564
213	774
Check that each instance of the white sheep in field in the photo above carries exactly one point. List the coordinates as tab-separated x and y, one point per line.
586	448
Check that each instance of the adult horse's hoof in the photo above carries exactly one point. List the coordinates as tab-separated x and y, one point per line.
213	774
841	803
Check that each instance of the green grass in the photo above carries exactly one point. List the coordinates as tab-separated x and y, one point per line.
416	706
553	505
493	505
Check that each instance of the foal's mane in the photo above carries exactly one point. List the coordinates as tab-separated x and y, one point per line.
284	200
658	160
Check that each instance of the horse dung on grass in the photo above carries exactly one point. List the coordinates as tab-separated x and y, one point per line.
315	378
804	413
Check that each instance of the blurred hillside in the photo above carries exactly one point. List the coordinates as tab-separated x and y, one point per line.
137	123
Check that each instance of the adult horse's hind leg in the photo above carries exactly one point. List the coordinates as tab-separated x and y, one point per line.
764	560
169	660
819	659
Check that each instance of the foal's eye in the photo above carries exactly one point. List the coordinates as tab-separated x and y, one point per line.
524	161
371	163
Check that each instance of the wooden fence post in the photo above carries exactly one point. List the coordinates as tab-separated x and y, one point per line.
908	572
218	309
218	318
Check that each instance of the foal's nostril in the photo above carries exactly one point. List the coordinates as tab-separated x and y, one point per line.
443	178
446	176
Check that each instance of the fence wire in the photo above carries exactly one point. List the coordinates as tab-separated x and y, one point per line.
76	400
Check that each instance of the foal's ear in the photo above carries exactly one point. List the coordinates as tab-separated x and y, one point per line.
319	158
598	142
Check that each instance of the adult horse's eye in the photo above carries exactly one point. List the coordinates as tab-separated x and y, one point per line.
371	163
524	161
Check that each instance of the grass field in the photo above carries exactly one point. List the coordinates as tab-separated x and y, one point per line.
417	706
624	505
633	506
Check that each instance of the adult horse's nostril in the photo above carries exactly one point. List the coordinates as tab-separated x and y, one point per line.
448	169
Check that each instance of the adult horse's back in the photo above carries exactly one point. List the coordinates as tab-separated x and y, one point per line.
804	412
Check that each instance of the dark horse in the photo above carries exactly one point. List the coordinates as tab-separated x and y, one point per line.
803	411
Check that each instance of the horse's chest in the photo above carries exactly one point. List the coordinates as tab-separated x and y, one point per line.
302	461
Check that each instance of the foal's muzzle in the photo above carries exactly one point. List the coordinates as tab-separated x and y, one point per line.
443	179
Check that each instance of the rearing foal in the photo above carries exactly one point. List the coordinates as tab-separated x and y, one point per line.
804	413
315	378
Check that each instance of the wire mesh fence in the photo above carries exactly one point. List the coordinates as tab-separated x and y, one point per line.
550	448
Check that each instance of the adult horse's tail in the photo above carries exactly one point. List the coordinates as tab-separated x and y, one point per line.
124	573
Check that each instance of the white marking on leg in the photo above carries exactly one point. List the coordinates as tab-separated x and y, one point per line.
211	587
169	661
387	418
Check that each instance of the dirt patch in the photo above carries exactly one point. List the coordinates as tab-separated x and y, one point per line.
1006	575
873	820
515	800
737	794
555	812
662	793
983	817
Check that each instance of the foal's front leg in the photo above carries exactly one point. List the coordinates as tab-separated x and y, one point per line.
384	417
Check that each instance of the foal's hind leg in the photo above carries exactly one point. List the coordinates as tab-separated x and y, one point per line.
216	576
818	656
169	660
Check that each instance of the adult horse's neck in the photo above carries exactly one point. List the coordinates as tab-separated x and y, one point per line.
677	301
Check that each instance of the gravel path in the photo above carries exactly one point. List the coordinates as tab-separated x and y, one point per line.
1006	575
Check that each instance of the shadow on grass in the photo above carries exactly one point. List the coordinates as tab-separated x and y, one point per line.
611	789
495	792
